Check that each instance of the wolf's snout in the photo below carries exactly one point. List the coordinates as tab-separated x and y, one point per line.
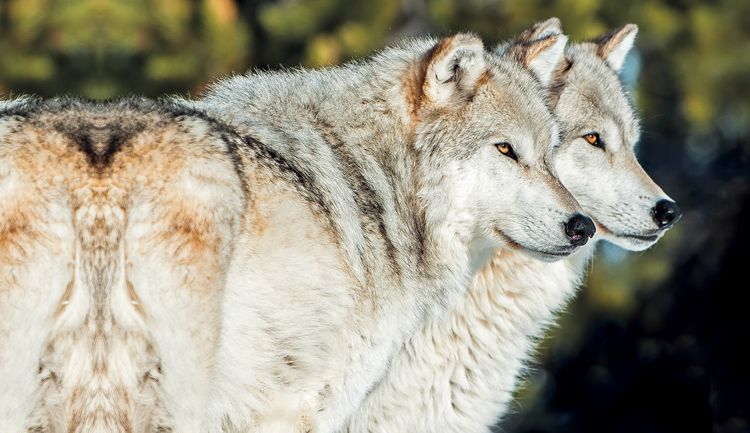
579	229
666	213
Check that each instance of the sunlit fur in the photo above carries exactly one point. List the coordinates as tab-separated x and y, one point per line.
459	373
116	227
376	192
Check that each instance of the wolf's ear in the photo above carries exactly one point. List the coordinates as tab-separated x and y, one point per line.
615	45
540	30
540	56
454	66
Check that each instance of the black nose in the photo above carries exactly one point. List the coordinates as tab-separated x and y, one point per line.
579	229
666	213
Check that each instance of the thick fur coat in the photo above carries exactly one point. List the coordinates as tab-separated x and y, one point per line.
458	374
115	233
377	189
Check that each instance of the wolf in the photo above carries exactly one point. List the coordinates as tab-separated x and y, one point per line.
458	374
376	190
116	228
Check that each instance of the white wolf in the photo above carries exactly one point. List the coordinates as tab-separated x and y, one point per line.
458	374
376	190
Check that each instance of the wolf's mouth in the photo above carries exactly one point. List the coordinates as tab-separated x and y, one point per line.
645	238
558	253
562	252
651	236
550	256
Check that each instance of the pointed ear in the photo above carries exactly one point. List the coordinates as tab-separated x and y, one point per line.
540	30
615	45
540	56
454	66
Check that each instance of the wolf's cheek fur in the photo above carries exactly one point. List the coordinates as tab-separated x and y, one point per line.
518	205
614	190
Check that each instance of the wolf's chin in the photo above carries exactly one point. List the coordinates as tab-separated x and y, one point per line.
629	241
634	242
547	255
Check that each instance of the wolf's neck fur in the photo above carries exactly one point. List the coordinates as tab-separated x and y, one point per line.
351	131
459	374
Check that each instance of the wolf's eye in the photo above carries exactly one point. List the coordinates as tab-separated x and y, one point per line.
594	140
507	150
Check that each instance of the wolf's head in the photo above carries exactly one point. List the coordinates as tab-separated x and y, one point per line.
484	136
599	129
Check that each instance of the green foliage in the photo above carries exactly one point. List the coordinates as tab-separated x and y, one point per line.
102	49
106	48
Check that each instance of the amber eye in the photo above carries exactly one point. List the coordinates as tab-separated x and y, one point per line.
507	150
594	140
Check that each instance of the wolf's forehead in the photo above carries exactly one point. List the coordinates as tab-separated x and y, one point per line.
510	78
512	106
515	89
527	125
596	94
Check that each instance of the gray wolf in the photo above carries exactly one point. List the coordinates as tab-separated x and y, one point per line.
458	374
377	190
116	228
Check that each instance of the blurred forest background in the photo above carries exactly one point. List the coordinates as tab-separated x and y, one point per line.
655	342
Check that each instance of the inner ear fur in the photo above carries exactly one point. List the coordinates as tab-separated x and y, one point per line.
455	66
540	30
615	45
541	56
